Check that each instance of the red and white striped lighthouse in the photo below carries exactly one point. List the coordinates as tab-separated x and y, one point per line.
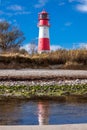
43	41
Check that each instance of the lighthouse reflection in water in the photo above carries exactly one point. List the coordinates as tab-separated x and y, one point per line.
43	113
20	112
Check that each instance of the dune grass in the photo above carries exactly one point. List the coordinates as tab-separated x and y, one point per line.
61	59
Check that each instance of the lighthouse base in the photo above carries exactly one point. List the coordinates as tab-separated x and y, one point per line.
43	51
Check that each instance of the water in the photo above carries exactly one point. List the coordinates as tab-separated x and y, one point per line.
41	113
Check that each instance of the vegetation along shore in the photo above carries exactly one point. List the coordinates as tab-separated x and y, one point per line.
60	90
60	59
42	84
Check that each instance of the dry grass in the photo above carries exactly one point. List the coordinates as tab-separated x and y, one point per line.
67	59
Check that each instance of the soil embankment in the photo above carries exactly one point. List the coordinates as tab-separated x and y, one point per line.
60	59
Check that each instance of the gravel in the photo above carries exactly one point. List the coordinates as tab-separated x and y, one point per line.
39	73
43	83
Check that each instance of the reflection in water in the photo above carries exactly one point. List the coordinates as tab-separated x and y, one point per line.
8	112
43	113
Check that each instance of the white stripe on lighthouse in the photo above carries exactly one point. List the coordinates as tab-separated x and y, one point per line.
43	32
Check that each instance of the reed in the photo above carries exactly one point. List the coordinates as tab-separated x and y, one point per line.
67	59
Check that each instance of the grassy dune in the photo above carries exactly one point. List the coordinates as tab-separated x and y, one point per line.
61	59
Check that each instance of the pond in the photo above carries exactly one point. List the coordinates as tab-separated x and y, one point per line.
17	112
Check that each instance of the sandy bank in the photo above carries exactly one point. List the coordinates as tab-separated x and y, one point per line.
36	74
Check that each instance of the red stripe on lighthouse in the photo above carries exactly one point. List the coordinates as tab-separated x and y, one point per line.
44	22
44	44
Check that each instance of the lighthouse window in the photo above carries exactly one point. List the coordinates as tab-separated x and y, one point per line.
43	16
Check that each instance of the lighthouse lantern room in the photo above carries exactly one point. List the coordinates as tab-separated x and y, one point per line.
43	41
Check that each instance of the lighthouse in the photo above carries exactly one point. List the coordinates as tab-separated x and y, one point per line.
43	40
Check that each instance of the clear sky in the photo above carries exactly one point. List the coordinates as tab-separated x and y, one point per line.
68	19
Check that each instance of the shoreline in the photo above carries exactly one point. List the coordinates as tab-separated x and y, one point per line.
60	99
43	84
63	93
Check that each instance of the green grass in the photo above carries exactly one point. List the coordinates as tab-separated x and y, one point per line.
29	91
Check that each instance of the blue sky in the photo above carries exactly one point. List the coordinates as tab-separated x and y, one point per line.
68	19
